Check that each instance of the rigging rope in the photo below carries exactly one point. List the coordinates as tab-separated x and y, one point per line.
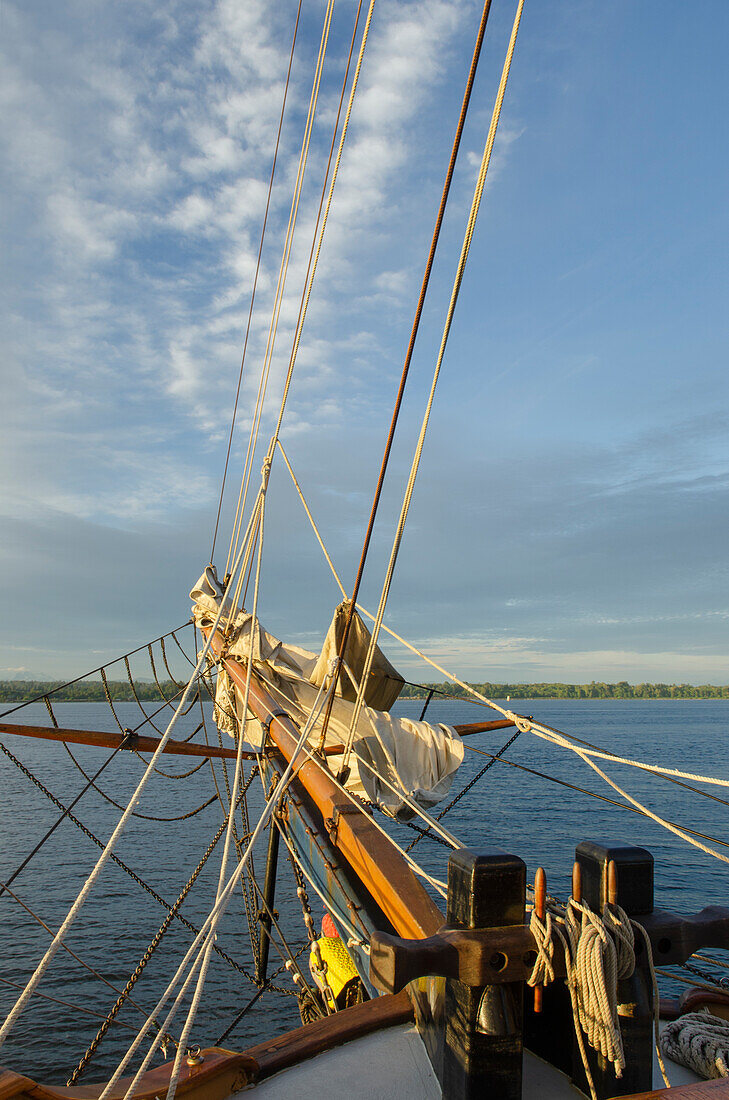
73	912
144	817
90	782
411	344
66	948
199	944
139	969
319	229
233	798
468	237
311	273
281	284
115	859
466	789
93	672
592	794
255	280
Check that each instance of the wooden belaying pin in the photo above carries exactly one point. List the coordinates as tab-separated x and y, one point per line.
540	908
577	882
612	883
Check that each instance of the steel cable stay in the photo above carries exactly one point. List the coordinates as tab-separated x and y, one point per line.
87	966
255	280
413	336
281	284
315	251
415	466
66	810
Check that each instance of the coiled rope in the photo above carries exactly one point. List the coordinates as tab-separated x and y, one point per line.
699	1041
599	951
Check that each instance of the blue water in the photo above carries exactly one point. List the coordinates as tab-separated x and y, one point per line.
533	817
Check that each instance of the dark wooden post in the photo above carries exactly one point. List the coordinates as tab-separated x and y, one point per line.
269	895
635	995
483	1025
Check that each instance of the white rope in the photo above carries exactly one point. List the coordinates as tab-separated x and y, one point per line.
192	1012
599	952
322	228
656	769
595	977
199	941
543	932
468	237
656	998
699	1041
282	275
111	843
311	519
529	726
639	805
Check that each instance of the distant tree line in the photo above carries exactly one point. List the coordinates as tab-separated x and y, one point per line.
92	691
86	691
594	690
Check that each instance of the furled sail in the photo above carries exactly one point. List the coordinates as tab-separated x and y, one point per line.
392	757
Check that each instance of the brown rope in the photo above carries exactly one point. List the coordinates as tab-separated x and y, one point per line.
408	359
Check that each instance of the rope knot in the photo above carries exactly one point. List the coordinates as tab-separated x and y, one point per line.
265	472
522	724
543	972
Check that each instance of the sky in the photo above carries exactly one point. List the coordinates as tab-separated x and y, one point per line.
570	520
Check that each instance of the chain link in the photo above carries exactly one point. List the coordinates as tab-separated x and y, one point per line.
317	964
120	863
461	793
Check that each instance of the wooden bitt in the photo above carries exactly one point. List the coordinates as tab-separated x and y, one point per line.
476	957
483	1025
540	907
623	875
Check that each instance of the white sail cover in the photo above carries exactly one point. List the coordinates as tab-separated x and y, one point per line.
391	755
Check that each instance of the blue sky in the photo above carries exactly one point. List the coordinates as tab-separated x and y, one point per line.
570	521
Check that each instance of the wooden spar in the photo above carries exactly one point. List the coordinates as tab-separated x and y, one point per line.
483	727
100	740
374	858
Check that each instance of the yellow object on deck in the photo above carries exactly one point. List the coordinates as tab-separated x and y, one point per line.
339	964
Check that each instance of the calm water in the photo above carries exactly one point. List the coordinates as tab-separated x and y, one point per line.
532	817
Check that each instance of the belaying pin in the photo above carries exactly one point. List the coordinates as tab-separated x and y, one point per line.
540	908
612	883
577	882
